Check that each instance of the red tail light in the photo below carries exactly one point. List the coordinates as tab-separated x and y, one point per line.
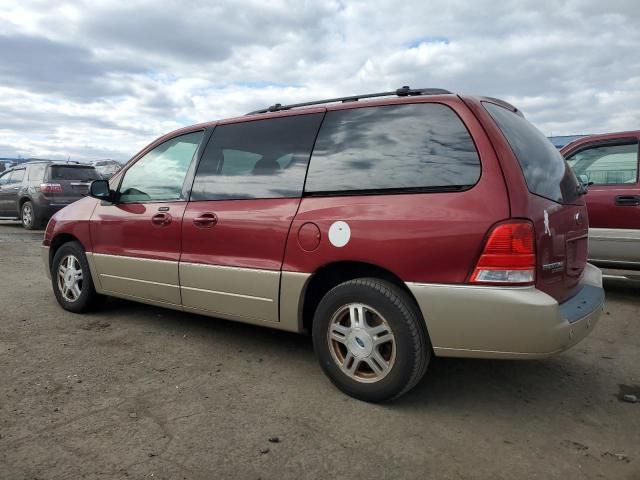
509	256
50	188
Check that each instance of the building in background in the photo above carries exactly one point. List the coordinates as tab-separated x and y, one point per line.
562	140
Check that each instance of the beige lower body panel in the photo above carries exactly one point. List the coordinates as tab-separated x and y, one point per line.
293	286
615	246
237	293
141	279
499	322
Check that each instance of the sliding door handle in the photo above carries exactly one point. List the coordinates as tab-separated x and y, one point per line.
206	220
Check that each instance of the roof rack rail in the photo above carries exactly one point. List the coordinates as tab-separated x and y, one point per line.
400	92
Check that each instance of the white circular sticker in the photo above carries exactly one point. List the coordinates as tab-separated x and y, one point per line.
339	234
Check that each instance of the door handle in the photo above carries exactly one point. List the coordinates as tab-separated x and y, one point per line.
628	200
161	219
206	220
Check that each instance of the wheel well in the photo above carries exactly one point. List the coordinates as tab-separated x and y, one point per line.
57	242
329	276
22	202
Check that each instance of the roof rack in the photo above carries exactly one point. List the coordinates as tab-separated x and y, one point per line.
400	92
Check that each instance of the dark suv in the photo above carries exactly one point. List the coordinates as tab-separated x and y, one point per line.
34	191
392	226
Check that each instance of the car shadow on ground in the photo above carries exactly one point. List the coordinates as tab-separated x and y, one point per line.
477	386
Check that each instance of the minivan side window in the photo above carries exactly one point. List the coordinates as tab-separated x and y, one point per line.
4	178
606	164
256	159
160	174
414	146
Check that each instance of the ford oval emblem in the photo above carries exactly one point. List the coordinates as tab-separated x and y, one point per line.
578	218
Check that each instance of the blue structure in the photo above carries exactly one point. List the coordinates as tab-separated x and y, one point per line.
562	140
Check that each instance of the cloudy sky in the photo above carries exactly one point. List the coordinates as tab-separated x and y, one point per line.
94	80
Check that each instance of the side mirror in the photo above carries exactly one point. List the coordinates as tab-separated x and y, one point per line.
100	189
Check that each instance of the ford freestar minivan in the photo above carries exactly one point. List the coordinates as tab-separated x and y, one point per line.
391	226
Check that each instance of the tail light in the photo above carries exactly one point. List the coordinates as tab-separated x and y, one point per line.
50	188
508	257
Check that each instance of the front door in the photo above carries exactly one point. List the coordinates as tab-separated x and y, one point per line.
245	195
136	241
613	200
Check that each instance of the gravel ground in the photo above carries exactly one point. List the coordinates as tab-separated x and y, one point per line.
140	392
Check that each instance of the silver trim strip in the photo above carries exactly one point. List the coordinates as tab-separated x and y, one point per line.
137	280
127	257
227	267
217	292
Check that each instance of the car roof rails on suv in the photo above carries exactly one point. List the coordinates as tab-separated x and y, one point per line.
405	91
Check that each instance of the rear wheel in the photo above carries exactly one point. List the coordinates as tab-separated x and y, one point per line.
370	339
29	217
71	279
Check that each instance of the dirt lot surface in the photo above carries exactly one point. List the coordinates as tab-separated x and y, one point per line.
139	392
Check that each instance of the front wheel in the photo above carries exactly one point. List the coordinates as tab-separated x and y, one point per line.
370	339
71	279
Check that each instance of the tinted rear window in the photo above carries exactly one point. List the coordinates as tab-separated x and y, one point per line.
545	171
415	146
59	172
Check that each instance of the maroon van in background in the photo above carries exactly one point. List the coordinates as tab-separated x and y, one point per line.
608	163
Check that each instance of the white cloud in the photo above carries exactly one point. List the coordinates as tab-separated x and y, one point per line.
101	80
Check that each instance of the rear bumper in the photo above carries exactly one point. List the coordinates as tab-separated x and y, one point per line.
507	322
47	210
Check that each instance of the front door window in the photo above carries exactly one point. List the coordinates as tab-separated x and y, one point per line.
159	175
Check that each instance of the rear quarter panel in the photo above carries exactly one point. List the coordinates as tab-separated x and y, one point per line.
420	237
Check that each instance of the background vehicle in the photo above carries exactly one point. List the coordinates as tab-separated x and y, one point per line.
34	191
107	168
417	223
609	163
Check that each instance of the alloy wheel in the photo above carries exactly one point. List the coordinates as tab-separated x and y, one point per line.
361	343
70	278
27	215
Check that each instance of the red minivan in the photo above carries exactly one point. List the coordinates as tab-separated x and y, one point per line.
391	226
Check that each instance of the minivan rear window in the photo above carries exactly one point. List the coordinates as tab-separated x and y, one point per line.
64	172
547	174
411	147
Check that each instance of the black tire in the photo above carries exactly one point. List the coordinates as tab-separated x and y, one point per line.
88	299
29	216
412	346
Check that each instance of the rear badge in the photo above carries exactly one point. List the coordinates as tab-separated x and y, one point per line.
578	218
553	267
339	234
